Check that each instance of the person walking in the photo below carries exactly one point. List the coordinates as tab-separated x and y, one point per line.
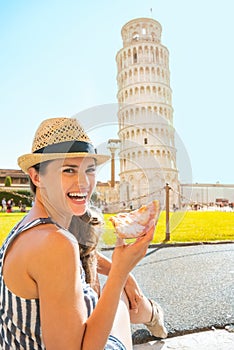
4	204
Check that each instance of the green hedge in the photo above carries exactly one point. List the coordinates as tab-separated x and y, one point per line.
24	196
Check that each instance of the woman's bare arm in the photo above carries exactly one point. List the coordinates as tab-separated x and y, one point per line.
131	287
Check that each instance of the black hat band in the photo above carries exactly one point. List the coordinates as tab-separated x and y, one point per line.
68	147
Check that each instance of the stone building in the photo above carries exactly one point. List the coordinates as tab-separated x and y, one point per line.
207	194
145	115
18	178
107	196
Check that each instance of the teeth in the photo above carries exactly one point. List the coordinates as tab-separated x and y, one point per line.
76	194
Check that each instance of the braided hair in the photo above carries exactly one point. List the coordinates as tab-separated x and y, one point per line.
87	230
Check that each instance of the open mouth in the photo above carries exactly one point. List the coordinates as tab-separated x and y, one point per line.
77	196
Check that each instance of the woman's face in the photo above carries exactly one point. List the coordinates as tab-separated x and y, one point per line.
68	184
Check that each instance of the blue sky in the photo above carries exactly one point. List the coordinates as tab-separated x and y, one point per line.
58	58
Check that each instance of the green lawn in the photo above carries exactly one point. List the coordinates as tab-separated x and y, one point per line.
7	221
191	226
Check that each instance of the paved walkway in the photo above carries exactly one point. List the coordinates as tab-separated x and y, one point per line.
194	285
210	340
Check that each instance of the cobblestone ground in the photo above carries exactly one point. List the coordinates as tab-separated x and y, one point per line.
193	284
211	340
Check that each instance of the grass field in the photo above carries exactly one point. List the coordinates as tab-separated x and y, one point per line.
191	226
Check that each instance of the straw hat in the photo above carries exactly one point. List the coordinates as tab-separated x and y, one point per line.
59	138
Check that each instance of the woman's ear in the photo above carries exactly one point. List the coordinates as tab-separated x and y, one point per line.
34	176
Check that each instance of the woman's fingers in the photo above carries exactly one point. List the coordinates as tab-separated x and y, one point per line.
126	256
149	233
119	242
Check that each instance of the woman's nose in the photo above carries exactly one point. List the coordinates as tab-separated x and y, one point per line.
83	179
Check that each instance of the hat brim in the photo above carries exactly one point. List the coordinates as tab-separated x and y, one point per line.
26	161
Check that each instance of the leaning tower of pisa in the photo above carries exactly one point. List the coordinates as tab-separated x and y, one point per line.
145	115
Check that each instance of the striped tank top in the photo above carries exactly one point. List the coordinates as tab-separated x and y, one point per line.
20	326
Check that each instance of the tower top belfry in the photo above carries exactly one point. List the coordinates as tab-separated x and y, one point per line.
141	30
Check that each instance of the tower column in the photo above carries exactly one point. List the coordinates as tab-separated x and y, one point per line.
113	145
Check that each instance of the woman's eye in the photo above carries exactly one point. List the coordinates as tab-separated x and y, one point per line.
68	170
91	170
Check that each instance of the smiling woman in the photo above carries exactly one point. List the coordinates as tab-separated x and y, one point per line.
84	170
76	176
48	295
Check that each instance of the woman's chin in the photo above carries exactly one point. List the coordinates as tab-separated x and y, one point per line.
78	209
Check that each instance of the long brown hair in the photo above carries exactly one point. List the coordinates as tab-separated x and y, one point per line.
87	230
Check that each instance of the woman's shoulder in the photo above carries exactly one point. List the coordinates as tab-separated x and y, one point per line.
50	251
58	236
47	240
51	234
48	245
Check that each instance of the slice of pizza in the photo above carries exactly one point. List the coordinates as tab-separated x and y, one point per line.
136	223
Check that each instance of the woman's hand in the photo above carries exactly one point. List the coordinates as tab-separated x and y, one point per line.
133	292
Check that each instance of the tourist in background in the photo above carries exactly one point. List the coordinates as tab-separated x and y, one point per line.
3	204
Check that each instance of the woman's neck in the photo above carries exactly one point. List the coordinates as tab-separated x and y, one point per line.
43	208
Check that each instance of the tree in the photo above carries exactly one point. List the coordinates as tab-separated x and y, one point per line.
8	181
